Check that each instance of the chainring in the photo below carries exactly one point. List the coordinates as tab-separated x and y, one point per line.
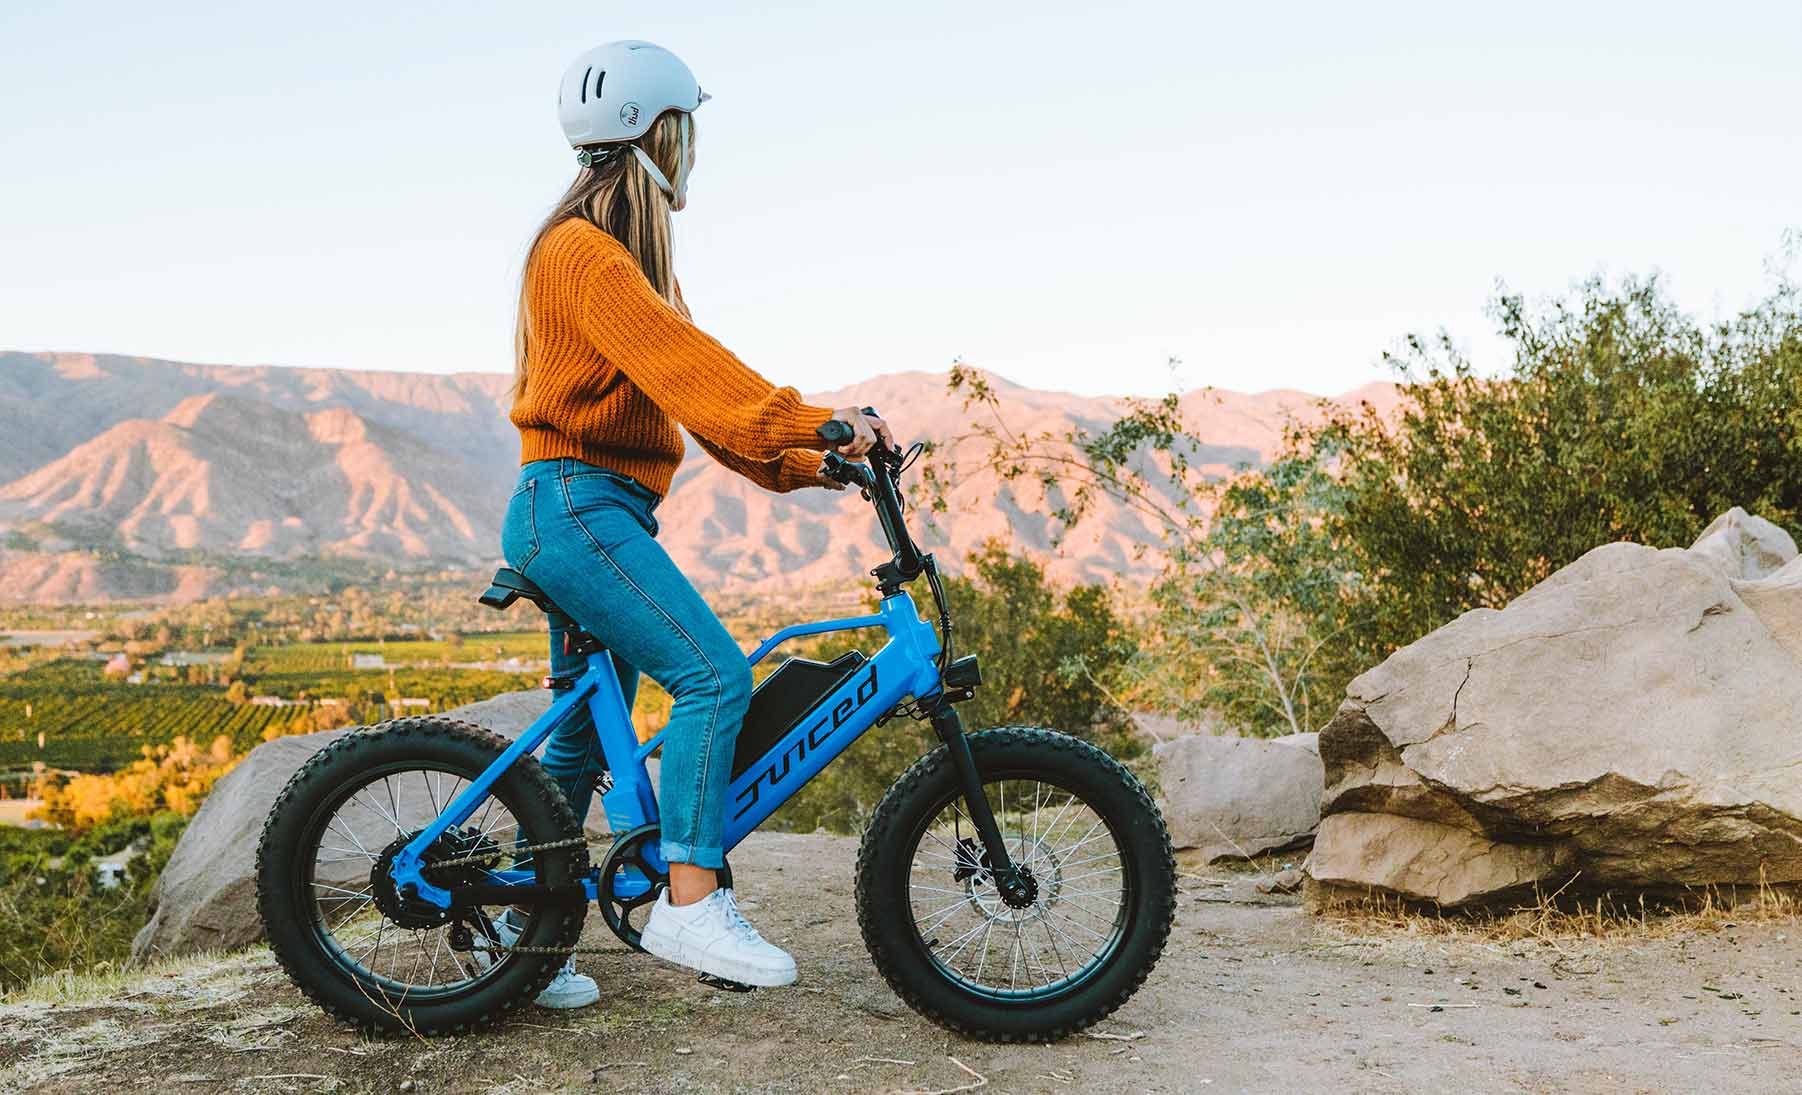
628	854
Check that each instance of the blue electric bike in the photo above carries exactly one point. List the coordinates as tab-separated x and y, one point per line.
1014	884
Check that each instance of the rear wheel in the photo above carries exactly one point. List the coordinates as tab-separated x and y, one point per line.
372	957
1101	898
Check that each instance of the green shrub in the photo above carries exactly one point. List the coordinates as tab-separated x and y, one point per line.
55	915
1622	418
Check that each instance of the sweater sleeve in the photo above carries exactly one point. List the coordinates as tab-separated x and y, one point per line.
793	470
693	378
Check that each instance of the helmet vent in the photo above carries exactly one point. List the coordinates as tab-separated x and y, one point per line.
598	81
585	77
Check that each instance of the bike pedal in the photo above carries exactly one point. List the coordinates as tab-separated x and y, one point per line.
713	982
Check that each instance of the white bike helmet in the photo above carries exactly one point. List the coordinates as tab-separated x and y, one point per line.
612	93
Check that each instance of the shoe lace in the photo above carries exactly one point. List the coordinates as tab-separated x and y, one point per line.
735	920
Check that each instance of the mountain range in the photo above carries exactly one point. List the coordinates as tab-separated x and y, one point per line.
136	478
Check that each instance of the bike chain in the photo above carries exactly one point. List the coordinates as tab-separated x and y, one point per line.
486	858
486	947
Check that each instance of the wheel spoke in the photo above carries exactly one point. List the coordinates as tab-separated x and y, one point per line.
353	839
393	804
1091	874
352	913
976	937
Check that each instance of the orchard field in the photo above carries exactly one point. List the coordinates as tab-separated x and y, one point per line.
90	722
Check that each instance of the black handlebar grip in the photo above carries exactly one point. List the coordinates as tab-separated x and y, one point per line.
835	433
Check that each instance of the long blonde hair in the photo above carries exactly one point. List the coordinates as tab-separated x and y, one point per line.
617	196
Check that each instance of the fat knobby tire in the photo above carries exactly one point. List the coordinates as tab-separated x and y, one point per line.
285	903
884	866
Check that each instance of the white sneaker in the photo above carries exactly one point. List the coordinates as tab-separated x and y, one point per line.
712	936
568	989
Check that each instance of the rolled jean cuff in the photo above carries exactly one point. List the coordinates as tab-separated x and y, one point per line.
709	858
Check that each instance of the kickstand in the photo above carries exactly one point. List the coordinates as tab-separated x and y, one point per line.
713	982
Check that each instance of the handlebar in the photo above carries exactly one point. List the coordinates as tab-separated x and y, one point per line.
879	479
836	432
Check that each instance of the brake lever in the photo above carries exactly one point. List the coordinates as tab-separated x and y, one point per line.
846	472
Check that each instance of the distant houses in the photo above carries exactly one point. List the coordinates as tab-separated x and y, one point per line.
181	659
399	703
110	870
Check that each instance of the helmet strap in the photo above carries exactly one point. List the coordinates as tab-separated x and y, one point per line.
677	191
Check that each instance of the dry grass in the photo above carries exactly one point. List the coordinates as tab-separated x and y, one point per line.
62	1023
1555	919
196	980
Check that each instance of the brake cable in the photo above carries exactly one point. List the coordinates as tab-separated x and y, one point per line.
938	597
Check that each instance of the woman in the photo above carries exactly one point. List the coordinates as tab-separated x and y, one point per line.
608	366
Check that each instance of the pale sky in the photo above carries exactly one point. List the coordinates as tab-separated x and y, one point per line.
1064	193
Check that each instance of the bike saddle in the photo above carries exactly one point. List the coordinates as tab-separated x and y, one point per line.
510	585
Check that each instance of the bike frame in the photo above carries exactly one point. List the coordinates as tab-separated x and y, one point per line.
906	665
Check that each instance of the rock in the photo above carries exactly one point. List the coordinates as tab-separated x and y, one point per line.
1288	880
1423	860
1237	797
1743	546
206	895
1631	722
1162	728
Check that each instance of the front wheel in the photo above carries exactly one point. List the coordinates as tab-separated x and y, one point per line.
1102	888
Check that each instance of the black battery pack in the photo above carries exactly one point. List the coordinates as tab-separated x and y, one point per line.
783	699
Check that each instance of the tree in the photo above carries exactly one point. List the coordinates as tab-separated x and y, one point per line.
1621	419
1236	553
1048	657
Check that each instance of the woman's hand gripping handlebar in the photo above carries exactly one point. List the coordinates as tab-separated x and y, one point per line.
856	433
853	432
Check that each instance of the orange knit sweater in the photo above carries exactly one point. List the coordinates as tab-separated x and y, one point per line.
613	369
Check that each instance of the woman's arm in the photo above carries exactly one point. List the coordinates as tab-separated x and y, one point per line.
793	470
683	370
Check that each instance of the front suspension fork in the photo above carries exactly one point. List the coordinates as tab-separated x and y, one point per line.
950	729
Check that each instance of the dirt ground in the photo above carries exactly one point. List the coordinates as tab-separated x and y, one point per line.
1253	994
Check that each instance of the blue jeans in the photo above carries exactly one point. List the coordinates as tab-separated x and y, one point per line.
586	537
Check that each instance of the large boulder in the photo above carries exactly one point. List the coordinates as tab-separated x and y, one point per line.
206	896
1632	722
1237	797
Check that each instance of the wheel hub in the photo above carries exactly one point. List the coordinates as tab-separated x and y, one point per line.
406	909
1039	876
